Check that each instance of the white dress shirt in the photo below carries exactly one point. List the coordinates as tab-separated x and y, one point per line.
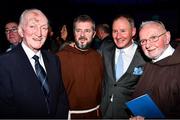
168	52
30	54
127	56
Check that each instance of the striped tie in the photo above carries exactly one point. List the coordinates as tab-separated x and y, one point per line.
42	77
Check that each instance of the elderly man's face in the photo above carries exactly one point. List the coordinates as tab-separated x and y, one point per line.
34	30
155	40
122	32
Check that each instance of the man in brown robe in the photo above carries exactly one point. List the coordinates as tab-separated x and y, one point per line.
82	71
160	78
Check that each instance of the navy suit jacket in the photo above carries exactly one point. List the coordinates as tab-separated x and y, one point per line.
20	92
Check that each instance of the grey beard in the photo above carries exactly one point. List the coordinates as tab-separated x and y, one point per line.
83	47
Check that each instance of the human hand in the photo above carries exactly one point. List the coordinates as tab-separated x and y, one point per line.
72	44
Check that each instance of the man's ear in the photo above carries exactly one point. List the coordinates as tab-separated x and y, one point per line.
168	37
133	31
94	34
20	31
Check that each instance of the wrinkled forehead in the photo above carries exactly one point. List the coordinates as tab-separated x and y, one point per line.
36	17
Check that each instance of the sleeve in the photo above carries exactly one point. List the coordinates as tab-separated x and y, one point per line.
63	104
7	106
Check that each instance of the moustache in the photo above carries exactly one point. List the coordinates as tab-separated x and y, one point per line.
82	38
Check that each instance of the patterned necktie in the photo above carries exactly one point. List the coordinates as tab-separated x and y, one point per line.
41	74
119	66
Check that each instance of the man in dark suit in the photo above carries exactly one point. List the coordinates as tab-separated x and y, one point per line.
117	90
22	94
102	34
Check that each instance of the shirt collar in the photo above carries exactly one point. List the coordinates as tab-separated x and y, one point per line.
128	50
168	52
29	52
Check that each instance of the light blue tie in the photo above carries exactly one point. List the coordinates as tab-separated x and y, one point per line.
119	66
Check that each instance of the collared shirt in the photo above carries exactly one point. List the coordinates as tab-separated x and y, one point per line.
30	54
168	52
127	55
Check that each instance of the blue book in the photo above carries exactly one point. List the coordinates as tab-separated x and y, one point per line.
144	106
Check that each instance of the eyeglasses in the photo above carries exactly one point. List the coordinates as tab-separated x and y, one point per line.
14	30
151	39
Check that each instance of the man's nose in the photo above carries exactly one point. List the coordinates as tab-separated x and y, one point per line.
118	35
38	32
148	44
82	33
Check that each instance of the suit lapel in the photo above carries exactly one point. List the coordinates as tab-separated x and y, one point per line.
26	71
45	59
48	68
133	63
111	62
46	63
25	64
136	61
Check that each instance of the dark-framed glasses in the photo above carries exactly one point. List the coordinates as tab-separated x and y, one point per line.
14	30
151	39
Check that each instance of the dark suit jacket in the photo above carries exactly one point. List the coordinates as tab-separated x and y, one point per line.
20	92
120	90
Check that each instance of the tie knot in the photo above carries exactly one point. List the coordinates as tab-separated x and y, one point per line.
35	57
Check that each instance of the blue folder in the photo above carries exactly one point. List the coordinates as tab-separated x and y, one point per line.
144	106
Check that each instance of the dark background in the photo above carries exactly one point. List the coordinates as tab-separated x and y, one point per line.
102	11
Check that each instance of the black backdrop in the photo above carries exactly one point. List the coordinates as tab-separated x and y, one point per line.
60	11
